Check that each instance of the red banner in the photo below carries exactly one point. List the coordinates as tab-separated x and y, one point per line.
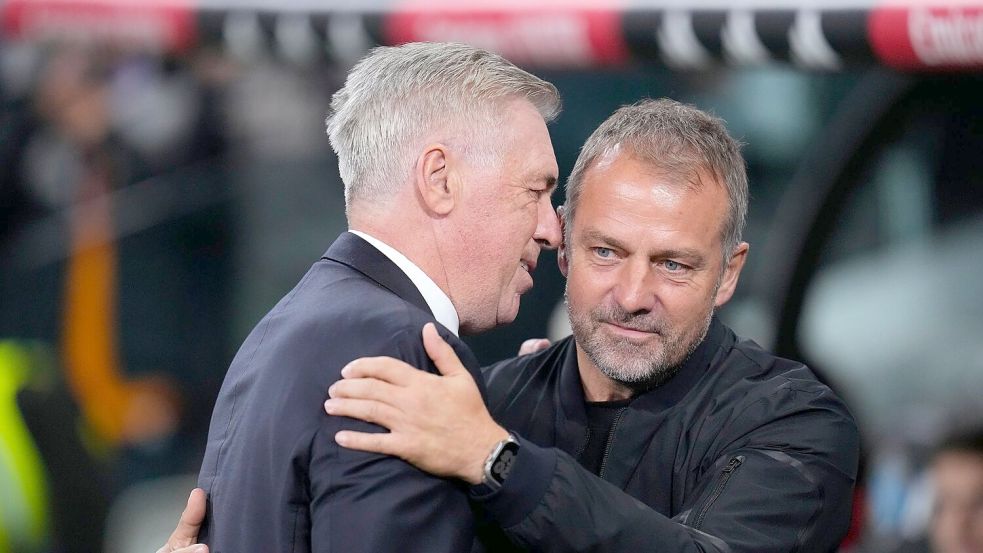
928	37
130	23
539	35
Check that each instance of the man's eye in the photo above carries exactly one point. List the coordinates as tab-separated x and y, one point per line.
603	252
672	266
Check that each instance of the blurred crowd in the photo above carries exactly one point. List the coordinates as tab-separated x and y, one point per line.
92	144
117	190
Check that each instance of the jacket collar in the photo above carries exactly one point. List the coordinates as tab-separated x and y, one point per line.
692	370
358	254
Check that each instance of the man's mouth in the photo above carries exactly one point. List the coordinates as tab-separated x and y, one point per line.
630	331
527	266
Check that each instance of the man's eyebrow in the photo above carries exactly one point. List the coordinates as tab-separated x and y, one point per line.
595	235
549	179
692	255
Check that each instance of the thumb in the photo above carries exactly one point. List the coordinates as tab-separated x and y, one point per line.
194	511
440	351
188	526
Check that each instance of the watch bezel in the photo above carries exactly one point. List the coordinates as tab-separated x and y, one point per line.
491	477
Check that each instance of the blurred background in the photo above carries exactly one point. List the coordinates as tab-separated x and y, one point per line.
165	178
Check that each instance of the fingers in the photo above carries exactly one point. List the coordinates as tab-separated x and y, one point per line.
387	369
441	352
400	373
533	345
188	526
386	444
366	410
364	388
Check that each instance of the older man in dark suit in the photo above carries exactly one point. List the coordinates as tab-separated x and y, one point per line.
448	170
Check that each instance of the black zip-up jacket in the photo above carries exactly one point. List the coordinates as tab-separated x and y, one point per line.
741	451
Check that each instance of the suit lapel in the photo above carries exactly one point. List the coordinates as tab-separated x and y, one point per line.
350	250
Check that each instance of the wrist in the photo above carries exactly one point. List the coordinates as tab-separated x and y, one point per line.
483	448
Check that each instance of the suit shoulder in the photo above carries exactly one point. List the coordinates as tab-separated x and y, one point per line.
333	315
334	294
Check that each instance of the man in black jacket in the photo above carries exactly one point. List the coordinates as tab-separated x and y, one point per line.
654	428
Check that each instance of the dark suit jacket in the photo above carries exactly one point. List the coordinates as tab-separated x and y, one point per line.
276	479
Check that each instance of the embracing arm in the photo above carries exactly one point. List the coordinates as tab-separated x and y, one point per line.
369	503
357	501
389	393
782	486
364	501
752	500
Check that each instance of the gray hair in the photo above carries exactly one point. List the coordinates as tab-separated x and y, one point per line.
678	139
396	95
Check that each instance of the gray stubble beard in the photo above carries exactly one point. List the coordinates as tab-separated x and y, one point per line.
626	362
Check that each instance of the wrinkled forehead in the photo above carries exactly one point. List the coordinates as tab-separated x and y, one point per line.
630	194
656	179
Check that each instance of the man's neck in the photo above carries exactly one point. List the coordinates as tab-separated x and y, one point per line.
439	302
409	243
597	385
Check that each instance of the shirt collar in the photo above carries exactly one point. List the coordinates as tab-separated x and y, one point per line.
441	305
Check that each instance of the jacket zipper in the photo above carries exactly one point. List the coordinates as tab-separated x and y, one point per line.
607	446
725	475
584	446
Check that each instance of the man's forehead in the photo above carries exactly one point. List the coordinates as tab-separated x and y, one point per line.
629	178
632	198
678	171
535	155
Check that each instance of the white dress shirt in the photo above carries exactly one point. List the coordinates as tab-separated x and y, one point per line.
441	306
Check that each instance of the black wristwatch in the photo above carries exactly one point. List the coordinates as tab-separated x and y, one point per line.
498	465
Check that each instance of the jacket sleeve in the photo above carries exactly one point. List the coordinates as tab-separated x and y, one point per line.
365	502
783	486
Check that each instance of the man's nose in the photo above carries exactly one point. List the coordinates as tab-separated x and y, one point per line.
635	289
548	225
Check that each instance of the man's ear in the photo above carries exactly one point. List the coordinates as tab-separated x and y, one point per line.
732	272
438	191
561	252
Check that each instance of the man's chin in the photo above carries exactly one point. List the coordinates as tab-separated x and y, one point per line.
508	309
476	327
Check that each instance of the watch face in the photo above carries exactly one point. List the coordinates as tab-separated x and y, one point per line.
503	463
